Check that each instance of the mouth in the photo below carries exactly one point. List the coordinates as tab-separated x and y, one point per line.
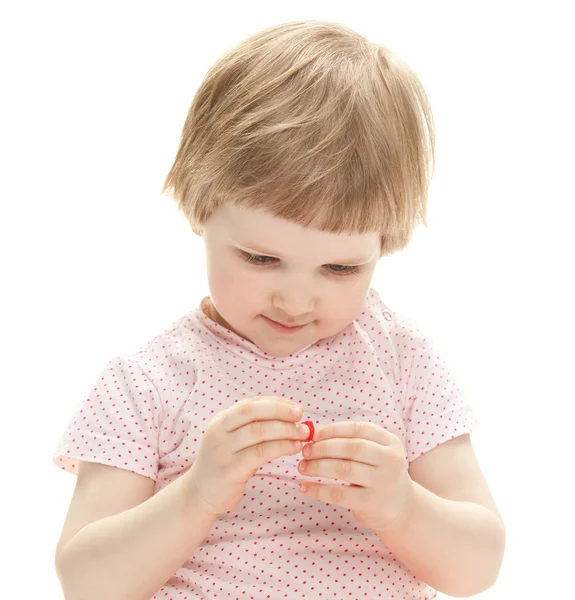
288	325
284	328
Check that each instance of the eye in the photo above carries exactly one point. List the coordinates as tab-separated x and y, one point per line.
262	261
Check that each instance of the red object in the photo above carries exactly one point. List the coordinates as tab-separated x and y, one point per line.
311	431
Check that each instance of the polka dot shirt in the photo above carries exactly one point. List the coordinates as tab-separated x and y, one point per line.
148	410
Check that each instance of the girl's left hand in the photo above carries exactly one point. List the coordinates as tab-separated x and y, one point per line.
368	457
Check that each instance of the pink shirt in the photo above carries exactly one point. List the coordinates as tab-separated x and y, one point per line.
148	410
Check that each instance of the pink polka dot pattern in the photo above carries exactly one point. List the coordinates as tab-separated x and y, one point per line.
148	411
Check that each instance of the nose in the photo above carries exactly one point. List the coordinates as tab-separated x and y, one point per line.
295	304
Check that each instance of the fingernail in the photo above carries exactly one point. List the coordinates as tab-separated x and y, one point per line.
303	429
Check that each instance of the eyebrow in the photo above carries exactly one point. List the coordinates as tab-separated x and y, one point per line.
258	250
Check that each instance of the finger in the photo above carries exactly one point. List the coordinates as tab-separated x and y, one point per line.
350	471
262	408
356	429
269	427
357	449
257	432
342	494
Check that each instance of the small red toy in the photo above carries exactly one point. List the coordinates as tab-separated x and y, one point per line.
311	431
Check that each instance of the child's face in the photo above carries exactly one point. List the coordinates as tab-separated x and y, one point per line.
298	284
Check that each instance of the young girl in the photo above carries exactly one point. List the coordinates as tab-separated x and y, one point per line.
303	160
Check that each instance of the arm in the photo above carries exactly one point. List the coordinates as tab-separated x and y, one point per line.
452	536
132	554
455	547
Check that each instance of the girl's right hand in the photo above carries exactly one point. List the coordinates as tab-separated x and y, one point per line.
236	443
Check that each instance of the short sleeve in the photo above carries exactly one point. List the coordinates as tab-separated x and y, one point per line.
435	408
117	425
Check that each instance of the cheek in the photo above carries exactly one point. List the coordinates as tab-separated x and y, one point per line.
345	307
344	312
224	282
233	286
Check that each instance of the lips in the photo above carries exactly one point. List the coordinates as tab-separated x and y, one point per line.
278	326
286	325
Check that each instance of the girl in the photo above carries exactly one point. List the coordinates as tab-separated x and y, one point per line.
304	159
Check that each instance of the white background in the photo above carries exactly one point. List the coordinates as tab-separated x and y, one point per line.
95	261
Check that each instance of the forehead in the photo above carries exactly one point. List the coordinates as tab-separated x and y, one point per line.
261	231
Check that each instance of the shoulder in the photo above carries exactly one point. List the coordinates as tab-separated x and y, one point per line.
377	317
394	337
172	352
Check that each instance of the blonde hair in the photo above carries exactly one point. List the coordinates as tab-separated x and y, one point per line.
310	122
